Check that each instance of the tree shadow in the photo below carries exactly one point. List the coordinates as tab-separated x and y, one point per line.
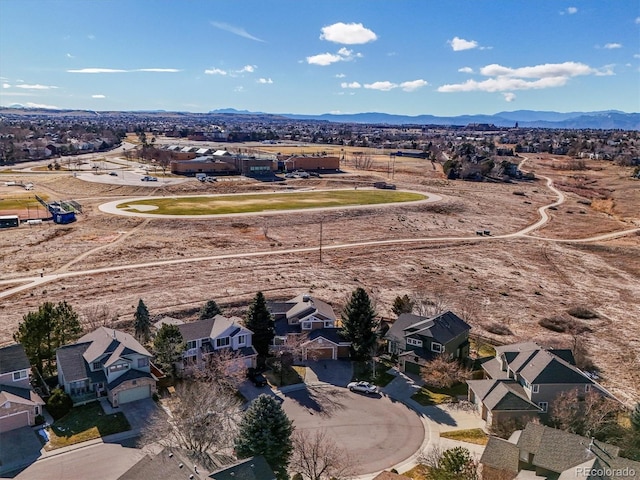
319	399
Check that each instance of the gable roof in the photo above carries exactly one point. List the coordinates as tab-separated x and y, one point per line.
390	476
71	362
23	396
254	468
304	304
442	328
105	340
13	358
167	465
501	455
502	395
210	327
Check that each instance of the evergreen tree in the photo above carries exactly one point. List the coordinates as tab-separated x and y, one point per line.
635	418
260	322
142	322
209	310
266	430
41	333
402	305
359	324
168	346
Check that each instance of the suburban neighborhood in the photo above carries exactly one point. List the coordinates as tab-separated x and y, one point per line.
503	412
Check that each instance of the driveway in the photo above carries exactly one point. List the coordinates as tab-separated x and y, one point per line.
334	372
18	448
376	431
138	413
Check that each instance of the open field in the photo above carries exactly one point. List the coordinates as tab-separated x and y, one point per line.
511	281
231	204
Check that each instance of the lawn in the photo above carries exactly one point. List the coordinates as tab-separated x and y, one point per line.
17	202
290	376
473	435
434	396
363	371
251	203
83	423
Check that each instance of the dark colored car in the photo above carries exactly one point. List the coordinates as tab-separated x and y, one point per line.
256	377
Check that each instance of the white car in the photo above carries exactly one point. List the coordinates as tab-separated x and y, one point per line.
364	387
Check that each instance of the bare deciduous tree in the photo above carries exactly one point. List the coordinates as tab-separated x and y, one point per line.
224	368
204	421
429	304
317	457
593	415
96	316
444	372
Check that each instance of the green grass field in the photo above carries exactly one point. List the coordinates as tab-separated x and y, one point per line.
253	203
17	201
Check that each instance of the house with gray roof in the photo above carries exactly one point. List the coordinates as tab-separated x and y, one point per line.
314	318
106	362
214	335
547	453
19	403
417	339
254	468
530	373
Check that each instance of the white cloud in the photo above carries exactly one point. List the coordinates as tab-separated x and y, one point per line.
636	55
97	70
509	96
324	59
6	85
239	88
40	105
637	20
611	46
350	85
348	34
525	78
572	10
465	70
413	85
241	32
215	71
459	44
68	55
158	70
98	96
35	86
340	75
383	86
265	81
248	69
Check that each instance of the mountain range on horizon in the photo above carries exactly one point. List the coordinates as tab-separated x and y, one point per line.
600	120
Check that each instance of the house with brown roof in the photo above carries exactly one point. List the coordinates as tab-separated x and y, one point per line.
547	453
309	315
214	335
106	362
19	403
523	380
417	339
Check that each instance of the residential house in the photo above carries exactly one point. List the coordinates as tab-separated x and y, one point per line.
206	337
19	404
416	339
254	468
524	379
106	362
310	316
168	464
546	453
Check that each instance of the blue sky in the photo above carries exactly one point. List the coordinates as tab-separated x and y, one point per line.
439	57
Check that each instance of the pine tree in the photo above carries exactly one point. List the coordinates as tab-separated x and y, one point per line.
635	418
402	305
209	310
359	324
142	322
266	430
168	346
260	322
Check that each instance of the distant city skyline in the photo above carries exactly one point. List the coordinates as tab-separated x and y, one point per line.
405	57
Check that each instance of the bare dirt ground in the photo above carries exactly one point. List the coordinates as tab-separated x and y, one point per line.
514	281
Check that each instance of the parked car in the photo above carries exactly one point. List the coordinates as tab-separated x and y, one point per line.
147	178
113	174
256	377
363	387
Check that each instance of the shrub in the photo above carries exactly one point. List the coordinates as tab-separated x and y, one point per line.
498	329
557	324
582	312
59	403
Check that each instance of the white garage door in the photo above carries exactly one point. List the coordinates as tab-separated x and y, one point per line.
14	421
133	394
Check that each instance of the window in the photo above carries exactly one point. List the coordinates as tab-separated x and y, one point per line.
119	366
222	342
17	376
191	344
535	388
543	406
306	325
436	347
96	365
328	324
242	339
143	362
587	388
414	342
